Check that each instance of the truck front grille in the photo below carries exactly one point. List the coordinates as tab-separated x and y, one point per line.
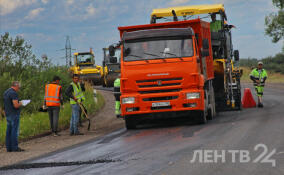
156	85
160	98
159	91
159	85
154	80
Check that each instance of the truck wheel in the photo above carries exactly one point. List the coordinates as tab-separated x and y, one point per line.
201	117
210	113
130	122
212	106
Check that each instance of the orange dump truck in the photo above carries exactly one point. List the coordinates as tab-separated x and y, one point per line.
167	69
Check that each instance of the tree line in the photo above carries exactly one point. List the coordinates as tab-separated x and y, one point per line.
271	63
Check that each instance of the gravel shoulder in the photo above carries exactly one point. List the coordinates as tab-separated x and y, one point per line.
102	123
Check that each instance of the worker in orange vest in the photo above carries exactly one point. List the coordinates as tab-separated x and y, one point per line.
52	100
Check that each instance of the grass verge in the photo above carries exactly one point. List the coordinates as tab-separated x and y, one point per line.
38	123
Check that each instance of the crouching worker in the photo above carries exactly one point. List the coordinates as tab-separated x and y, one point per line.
52	100
75	93
117	97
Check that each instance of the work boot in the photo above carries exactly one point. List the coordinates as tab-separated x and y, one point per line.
55	134
19	150
260	105
78	133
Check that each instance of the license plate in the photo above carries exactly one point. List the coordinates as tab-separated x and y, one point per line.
161	104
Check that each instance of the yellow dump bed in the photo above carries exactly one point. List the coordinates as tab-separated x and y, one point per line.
188	10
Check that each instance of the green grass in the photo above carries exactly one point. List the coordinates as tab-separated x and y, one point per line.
272	76
38	123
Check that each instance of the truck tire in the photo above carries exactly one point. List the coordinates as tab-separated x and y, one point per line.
212	106
210	115
130	122
201	117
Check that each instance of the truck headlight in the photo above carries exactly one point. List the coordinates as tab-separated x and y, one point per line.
128	100
192	95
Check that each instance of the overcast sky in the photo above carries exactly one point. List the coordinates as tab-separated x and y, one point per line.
93	23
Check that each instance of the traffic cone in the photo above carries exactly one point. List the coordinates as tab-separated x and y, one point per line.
248	101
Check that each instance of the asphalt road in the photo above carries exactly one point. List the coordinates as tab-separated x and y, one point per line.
167	147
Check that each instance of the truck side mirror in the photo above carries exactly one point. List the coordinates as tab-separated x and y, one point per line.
113	59
205	53
111	50
236	55
205	44
126	52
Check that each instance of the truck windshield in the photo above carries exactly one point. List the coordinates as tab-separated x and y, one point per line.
145	49
85	59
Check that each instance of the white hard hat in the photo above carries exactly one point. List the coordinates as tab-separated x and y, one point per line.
260	62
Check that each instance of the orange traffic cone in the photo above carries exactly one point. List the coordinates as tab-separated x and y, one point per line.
248	101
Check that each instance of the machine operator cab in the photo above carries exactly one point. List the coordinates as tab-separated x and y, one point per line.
112	57
111	64
85	59
215	14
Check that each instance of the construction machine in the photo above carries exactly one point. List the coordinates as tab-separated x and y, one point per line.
177	68
227	75
111	66
84	65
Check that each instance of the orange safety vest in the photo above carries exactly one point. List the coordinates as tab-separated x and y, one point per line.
52	96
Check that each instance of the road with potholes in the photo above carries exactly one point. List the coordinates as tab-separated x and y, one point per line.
169	147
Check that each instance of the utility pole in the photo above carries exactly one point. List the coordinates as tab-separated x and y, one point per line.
68	55
68	49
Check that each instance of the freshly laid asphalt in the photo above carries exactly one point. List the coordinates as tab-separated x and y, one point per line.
168	146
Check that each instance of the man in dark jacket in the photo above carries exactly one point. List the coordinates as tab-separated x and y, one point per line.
12	112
